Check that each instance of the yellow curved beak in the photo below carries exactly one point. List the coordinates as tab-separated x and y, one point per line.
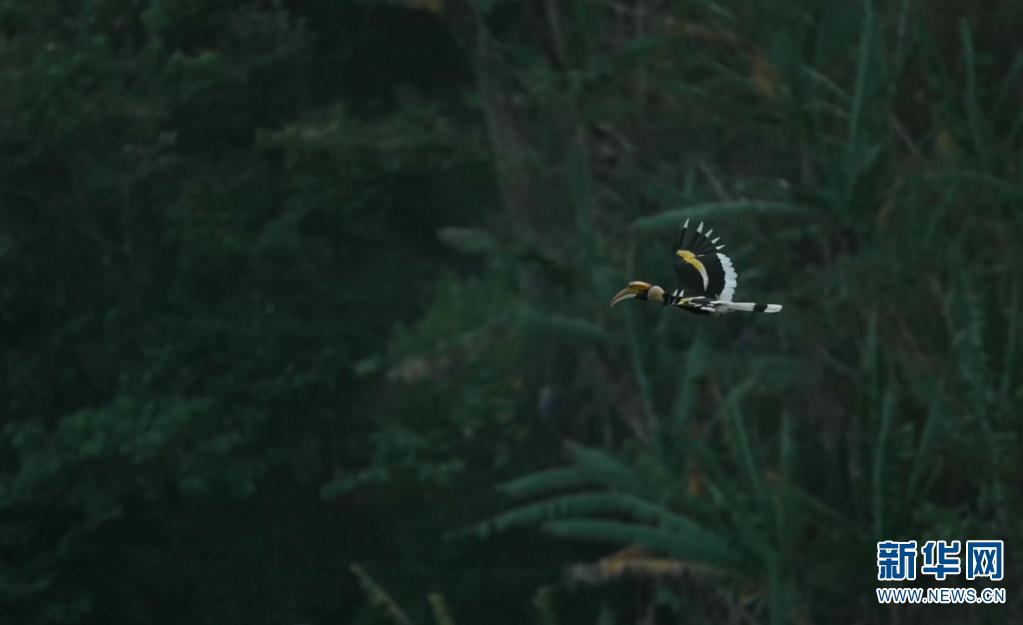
627	293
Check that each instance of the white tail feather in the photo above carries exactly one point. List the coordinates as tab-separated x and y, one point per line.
749	306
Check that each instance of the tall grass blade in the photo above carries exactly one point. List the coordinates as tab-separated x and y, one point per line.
744	450
379	597
879	475
855	141
441	613
972	100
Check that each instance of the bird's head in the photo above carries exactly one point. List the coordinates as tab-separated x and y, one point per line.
639	290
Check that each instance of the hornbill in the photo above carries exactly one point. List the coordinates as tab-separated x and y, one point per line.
706	279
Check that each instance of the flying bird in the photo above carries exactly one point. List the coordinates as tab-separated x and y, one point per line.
705	276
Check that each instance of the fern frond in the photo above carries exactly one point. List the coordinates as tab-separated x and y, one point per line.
584	505
548	480
597	460
592	468
580	504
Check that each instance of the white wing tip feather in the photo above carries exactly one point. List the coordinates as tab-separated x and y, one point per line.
731	278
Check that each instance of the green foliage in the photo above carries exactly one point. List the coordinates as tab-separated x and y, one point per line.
851	417
284	285
187	207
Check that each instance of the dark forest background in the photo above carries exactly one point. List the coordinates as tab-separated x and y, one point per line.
304	308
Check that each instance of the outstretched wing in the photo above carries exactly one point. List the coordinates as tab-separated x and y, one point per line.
709	306
700	266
